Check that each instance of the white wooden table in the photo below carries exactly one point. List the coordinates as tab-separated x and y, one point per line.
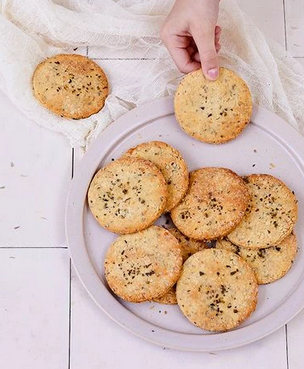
47	319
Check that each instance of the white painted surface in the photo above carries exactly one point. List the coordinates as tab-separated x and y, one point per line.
295	337
34	306
295	27
35	168
267	15
34	287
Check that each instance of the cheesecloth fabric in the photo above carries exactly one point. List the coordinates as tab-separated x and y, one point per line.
33	30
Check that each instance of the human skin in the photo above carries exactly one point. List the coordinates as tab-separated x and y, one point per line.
191	35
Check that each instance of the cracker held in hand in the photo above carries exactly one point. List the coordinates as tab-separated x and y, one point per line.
268	264
213	111
188	247
217	290
71	86
214	204
143	265
127	195
170	163
271	215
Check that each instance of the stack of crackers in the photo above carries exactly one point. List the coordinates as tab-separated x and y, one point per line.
231	233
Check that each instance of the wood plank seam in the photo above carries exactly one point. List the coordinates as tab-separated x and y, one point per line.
285	28
33	247
70	313
70	263
286	347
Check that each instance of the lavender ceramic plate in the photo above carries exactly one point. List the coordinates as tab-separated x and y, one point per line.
268	145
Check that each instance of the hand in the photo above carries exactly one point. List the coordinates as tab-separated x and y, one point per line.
192	37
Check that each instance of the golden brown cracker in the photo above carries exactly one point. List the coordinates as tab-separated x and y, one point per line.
213	111
171	164
127	195
144	265
217	290
214	204
70	85
270	216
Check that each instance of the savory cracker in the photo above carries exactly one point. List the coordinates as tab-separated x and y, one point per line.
144	265
71	86
217	290
213	111
214	204
188	247
170	163
268	264
271	214
168	298
127	195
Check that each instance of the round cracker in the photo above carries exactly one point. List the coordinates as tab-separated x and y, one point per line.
188	247
71	86
127	195
214	204
268	264
217	290
271	214
144	265
170	163
213	111
168	298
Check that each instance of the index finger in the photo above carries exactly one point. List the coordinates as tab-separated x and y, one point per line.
180	54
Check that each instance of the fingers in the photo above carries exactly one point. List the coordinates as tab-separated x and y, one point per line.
218	31
193	50
217	36
201	51
181	52
196	57
205	40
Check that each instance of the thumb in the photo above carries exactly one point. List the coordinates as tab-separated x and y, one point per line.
205	42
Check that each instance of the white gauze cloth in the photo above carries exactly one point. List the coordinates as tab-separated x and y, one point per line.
35	29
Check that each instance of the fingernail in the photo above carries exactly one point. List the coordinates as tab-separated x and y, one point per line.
213	73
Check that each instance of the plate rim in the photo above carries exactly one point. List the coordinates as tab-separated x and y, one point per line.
93	284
